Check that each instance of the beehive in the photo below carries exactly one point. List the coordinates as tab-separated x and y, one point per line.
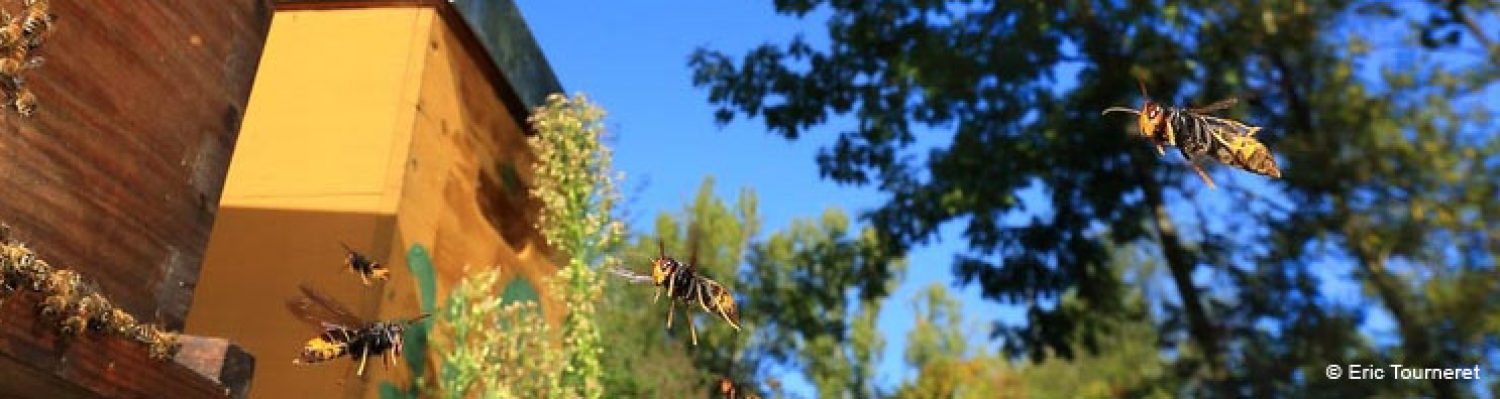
391	127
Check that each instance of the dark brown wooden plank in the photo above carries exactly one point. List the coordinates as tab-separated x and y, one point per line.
119	172
220	361
36	361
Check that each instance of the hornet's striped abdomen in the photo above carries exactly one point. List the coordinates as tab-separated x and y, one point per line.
331	344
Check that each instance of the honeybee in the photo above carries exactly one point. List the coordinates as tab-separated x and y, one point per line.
36	22
11	32
17	62
119	322
343	333
13	258
684	284
89	314
160	344
23	269
25	102
62	291
366	269
1198	135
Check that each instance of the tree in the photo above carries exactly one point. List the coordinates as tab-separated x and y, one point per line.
1395	203
946	368
809	297
813	293
723	232
949	366
1372	172
987	73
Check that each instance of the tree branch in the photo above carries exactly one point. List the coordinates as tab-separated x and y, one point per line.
1415	339
1180	261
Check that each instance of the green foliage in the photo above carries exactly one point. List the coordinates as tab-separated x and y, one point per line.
495	349
809	299
985	73
419	264
1396	175
813	293
574	182
949	364
946	368
723	232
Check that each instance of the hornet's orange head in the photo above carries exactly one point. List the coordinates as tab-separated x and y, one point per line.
662	266
1152	118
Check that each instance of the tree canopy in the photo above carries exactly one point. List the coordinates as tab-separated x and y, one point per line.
1387	146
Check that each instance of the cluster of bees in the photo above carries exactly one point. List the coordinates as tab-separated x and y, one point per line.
21	37
340	332
75	306
1199	135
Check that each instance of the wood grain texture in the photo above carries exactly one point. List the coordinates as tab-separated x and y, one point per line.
118	174
492	30
465	194
35	361
219	360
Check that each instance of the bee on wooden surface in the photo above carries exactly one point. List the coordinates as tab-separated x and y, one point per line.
366	268
119	322
343	333
88	315
17	62
1198	135
11	277
684	284
25	102
12	33
160	345
62	291
23	269
36	22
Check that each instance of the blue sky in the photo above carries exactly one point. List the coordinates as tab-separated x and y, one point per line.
631	58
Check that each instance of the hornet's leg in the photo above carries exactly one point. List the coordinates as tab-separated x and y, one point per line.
1160	151
692	330
363	356
657	296
1171	134
1203	175
701	302
671	306
671	285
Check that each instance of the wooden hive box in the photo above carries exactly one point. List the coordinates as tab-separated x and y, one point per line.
117	176
389	126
